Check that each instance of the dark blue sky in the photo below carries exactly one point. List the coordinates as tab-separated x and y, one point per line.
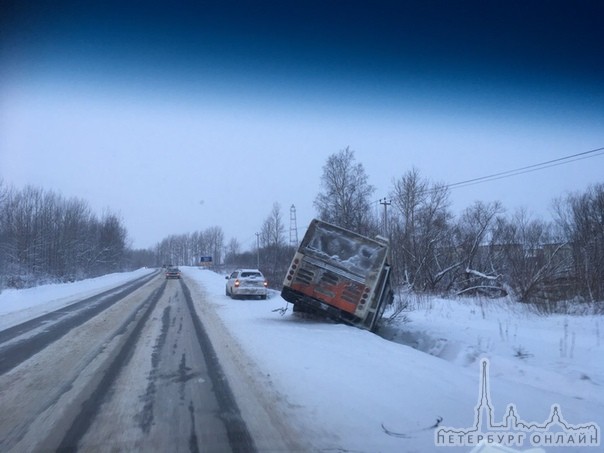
545	45
254	96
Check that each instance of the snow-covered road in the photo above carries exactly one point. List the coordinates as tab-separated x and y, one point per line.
304	384
43	394
135	374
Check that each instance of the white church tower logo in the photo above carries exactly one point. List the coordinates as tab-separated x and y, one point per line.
512	431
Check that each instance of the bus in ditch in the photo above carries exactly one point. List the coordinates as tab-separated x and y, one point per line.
341	274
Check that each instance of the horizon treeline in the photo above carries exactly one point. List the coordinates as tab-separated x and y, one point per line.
46	238
483	250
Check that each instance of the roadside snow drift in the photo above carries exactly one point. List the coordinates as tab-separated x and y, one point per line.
19	305
346	389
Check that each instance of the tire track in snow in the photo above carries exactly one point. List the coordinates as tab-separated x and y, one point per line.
84	419
238	434
19	343
149	397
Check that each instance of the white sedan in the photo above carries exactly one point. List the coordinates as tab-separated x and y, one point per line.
246	282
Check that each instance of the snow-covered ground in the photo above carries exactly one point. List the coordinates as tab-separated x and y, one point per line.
345	389
19	305
351	390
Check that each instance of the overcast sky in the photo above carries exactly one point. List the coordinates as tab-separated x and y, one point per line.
185	115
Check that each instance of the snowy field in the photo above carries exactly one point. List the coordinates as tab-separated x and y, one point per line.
345	389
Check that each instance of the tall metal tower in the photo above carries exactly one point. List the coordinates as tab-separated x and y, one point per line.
293	227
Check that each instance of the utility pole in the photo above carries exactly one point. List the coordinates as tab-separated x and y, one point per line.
257	250
385	203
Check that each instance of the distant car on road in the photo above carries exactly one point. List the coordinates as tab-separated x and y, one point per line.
172	272
246	282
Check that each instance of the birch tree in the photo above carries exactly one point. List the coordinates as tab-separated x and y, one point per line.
345	196
420	231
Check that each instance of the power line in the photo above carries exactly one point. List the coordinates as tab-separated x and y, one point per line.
518	171
528	169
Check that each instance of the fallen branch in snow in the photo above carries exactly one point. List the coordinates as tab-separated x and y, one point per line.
281	310
393	434
474	288
408	434
481	274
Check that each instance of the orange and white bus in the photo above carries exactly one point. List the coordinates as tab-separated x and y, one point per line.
341	274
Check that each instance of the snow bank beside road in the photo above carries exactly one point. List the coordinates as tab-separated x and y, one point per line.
558	352
19	305
337	384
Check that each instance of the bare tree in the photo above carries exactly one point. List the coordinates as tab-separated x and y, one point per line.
44	237
346	192
215	237
110	244
472	236
196	246
581	219
186	249
274	252
138	258
420	231
534	265
233	249
272	233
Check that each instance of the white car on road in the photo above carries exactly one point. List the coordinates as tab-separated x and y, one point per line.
246	282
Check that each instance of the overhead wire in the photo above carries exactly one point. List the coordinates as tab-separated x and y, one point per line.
528	169
517	171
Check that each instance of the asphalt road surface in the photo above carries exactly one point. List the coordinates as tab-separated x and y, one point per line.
130	370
